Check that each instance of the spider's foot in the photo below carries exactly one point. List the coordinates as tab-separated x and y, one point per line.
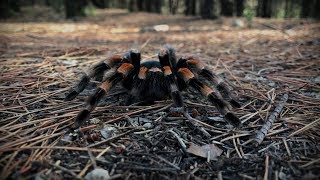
71	95
81	118
235	103
232	119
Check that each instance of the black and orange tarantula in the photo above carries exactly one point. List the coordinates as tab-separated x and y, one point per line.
152	80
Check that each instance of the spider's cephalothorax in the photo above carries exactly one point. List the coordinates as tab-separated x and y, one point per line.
152	80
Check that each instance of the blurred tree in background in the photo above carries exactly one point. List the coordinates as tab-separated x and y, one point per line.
8	8
143	5
207	9
101	3
75	8
190	7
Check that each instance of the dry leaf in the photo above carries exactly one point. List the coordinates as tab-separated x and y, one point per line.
203	151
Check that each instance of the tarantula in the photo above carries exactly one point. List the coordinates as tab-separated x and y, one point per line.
151	80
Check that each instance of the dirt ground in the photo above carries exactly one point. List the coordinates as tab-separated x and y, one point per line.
42	58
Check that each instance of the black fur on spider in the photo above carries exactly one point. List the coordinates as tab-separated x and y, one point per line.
151	80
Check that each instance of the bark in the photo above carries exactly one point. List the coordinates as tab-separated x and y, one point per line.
261	134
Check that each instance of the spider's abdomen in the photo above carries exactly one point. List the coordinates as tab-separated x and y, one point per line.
153	86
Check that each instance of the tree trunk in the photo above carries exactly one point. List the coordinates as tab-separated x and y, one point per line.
57	5
293	8
310	8
307	8
209	9
157	6
227	7
278	8
14	5
173	6
122	4
140	5
190	7
148	5
132	5
316	12
264	8
75	8
100	3
8	7
4	9
240	7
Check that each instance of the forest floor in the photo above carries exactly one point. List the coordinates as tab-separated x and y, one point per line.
42	58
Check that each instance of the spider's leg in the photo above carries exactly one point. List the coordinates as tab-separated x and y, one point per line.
197	67
167	59
174	91
212	94
122	72
96	71
134	84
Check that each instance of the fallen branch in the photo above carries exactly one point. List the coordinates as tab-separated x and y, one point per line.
261	134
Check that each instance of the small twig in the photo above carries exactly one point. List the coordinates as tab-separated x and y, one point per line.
65	170
92	161
244	176
145	43
111	139
272	144
220	175
168	162
235	136
305	128
309	163
182	144
132	113
287	147
235	146
196	125
266	169
92	158
214	129
49	147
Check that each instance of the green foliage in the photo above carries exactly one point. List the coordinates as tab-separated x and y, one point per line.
294	8
249	14
279	14
90	10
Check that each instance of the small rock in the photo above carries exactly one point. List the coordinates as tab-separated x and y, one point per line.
261	78
161	27
250	76
107	132
272	84
282	176
94	121
148	125
136	121
99	174
238	23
